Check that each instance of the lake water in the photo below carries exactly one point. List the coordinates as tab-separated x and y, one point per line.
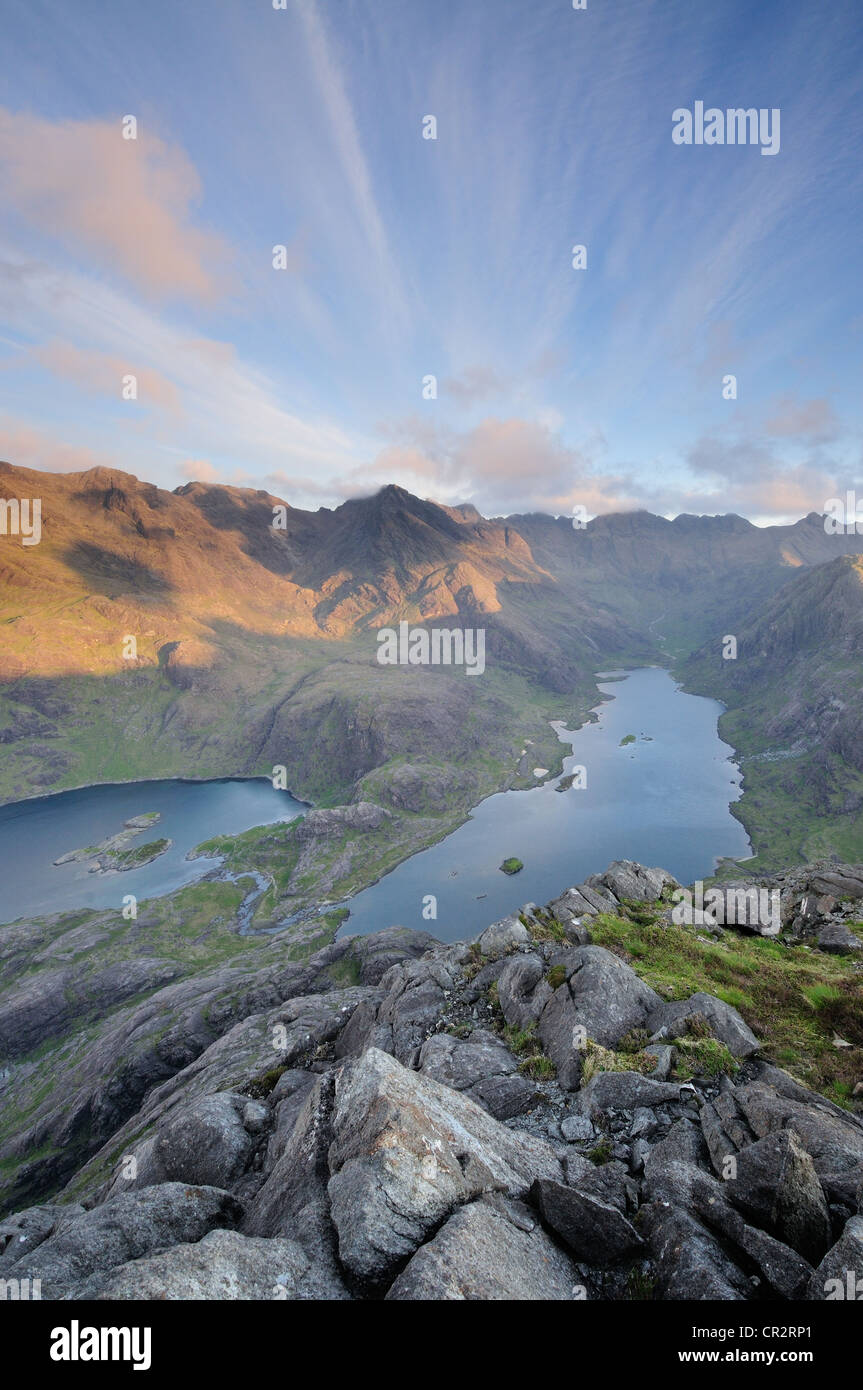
35	833
662	800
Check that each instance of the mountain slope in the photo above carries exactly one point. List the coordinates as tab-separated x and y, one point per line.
795	698
688	577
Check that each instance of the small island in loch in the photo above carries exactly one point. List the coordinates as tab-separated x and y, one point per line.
511	866
116	854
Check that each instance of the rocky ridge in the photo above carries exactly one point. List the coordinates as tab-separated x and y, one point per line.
508	1118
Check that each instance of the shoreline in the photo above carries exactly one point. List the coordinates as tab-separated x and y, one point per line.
150	781
564	729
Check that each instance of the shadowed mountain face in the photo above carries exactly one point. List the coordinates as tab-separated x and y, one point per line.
795	697
254	644
172	566
693	577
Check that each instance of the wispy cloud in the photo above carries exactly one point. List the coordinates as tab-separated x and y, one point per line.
29	447
210	399
126	203
105	375
449	257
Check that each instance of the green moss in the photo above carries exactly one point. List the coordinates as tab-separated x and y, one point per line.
602	1152
639	1286
598	1059
538	1067
702	1057
634	1041
459	1030
336	916
261	1087
543	926
345	972
556	976
522	1042
793	998
474	964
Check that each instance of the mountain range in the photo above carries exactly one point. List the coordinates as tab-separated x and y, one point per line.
255	643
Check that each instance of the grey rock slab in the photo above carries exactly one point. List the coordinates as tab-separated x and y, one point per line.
594	1230
376	953
833	1138
46	1004
844	1189
632	882
784	1269
481	1255
838	940
122	1229
415	998
602	998
572	904
743	906
577	1129
664	1054
599	897
522	989
726	1025
841	885
719	1144
359	1031
839	1276
505	1097
205	1141
689	1262
406	1151
776	1185
224	1265
482	1067
625	1090
287	1098
461	1063
501	936
293	1200
22	1231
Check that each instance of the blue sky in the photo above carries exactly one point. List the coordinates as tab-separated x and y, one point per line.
452	257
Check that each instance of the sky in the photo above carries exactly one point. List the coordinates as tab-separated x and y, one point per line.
406	258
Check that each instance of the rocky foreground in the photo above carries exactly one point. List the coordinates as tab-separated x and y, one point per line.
521	1117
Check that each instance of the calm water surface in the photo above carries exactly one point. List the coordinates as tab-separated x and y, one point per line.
35	833
663	800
